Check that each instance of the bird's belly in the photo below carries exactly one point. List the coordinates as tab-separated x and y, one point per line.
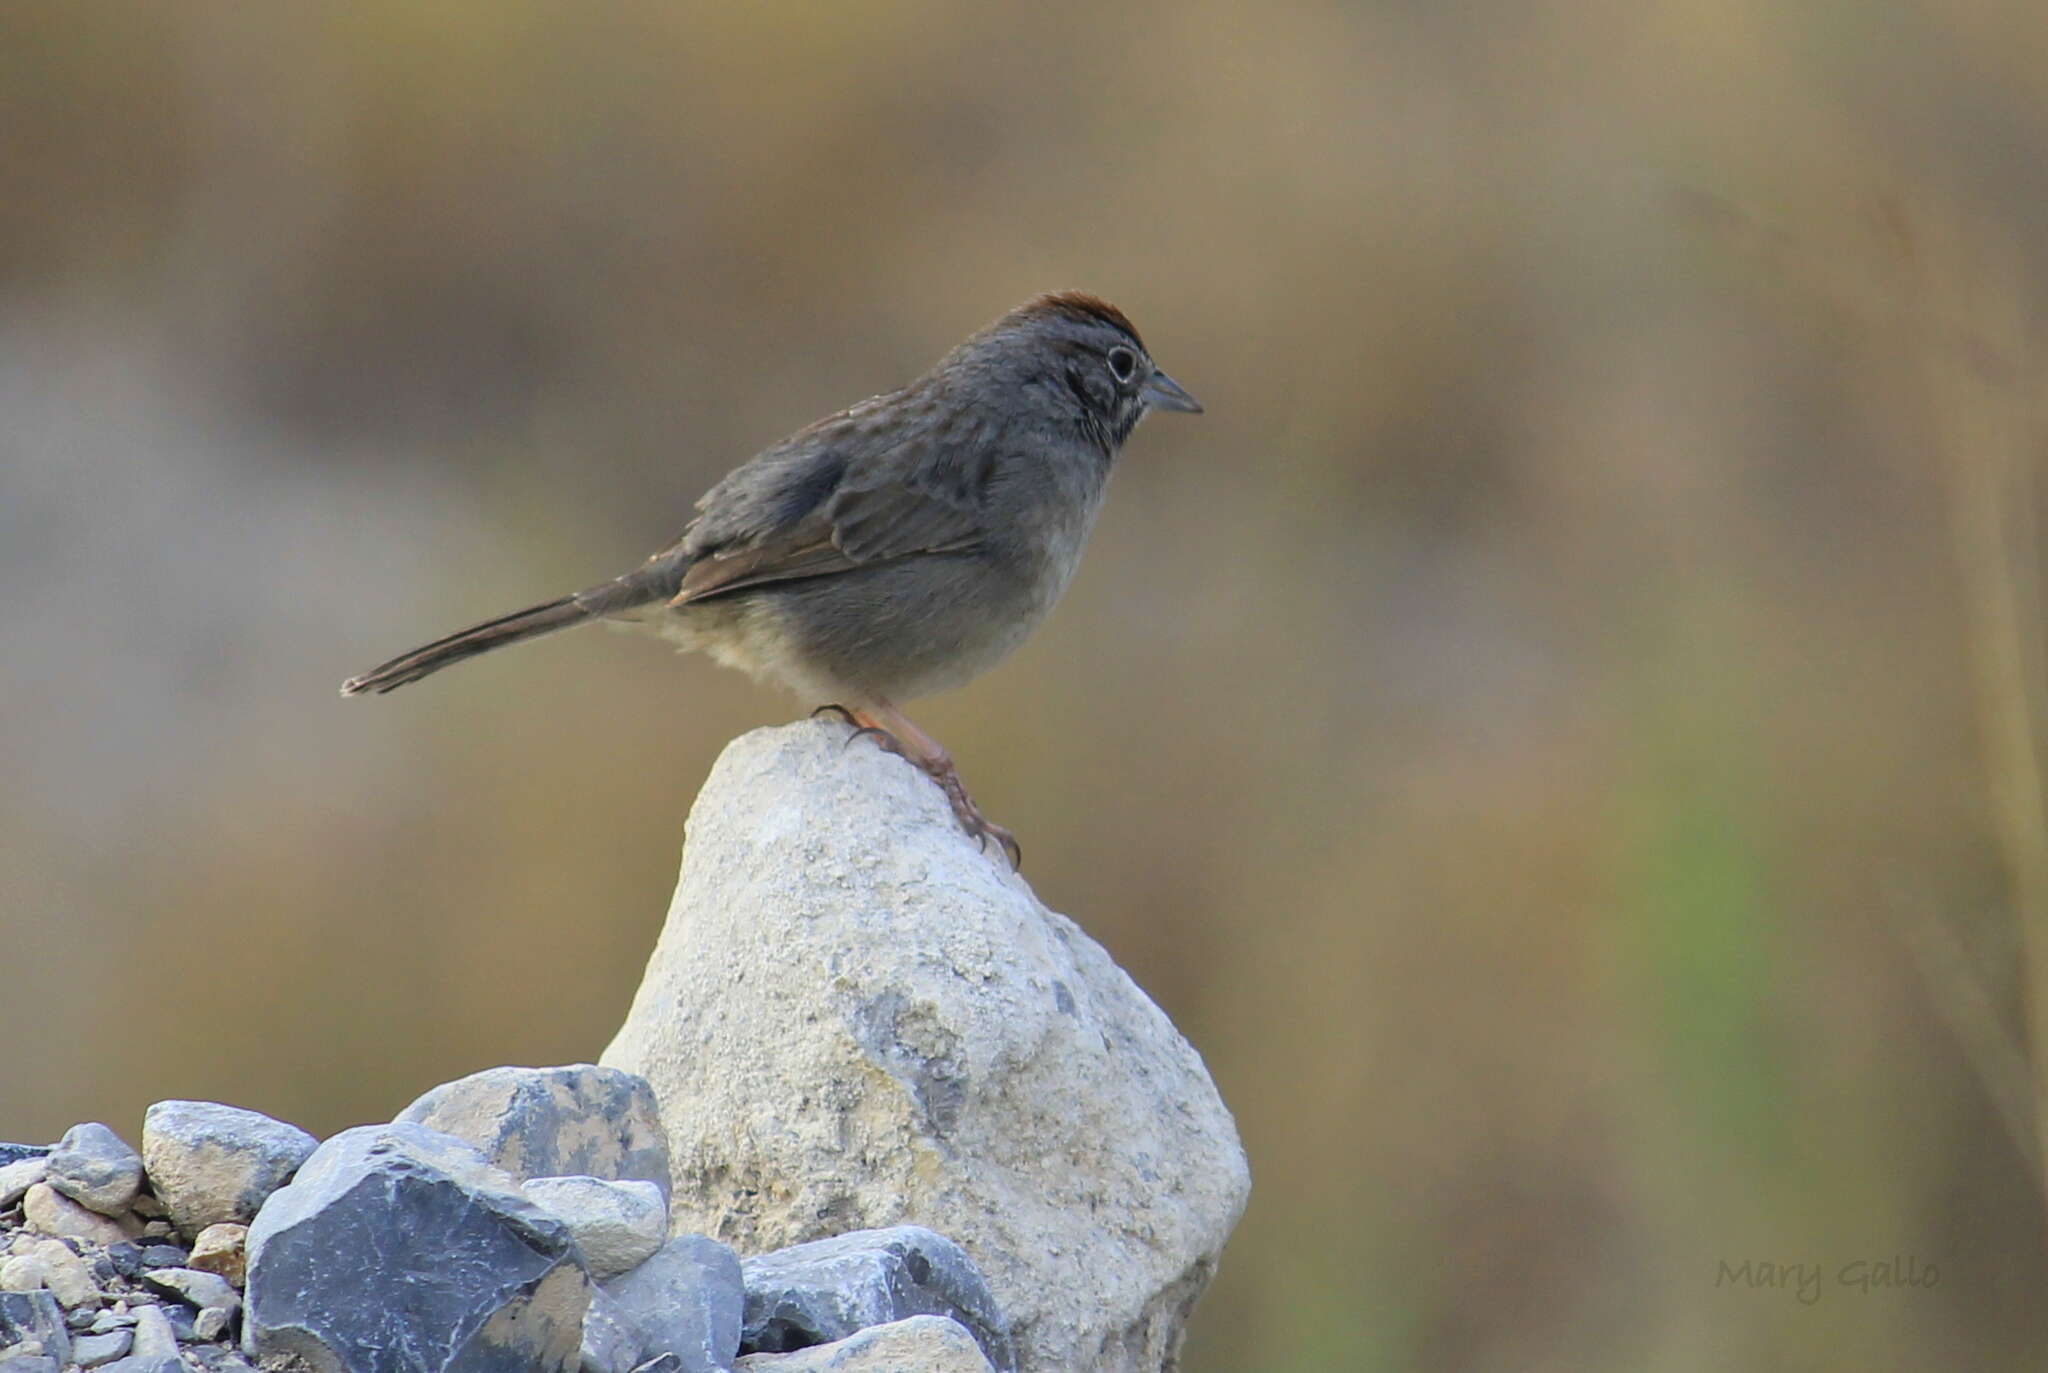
896	631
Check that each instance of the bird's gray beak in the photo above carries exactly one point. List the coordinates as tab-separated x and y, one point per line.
1162	392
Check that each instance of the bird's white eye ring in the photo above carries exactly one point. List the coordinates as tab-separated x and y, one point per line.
1123	364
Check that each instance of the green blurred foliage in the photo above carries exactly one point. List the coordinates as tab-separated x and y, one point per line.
1522	732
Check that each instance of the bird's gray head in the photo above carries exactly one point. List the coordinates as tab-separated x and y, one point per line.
1076	359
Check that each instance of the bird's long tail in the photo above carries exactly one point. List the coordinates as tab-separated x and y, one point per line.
651	583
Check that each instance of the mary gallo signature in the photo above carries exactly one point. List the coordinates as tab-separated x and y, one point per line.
1806	1281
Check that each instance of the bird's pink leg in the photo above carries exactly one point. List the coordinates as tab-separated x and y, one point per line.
894	731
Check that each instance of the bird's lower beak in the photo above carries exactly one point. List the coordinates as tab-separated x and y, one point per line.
1162	392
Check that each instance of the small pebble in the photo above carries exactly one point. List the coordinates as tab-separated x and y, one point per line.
116	1317
147	1206
222	1249
162	1256
213	1322
90	1351
158	1230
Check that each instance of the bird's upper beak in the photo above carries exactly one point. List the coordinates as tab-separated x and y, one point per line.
1162	392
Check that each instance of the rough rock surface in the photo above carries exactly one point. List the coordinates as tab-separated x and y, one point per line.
554	1122
856	1017
456	1271
922	1344
616	1225
211	1164
96	1168
20	1175
686	1301
829	1289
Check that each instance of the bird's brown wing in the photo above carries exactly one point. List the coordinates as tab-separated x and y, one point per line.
918	508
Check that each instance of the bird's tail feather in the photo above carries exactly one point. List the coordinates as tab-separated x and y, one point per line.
530	623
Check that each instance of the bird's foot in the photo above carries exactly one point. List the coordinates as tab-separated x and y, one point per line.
908	742
969	815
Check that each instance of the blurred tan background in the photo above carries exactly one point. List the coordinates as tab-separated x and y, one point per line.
1558	734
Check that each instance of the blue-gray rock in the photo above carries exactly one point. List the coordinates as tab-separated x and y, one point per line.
193	1287
687	1301
182	1319
611	1344
399	1249
210	1163
90	1351
15	1153
666	1363
96	1168
29	1363
617	1225
555	1122
138	1363
34	1316
158	1256
826	1290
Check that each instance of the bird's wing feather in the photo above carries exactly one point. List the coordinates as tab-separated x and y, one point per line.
831	514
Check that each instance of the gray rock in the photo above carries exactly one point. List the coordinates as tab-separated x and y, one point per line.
154	1337
29	1363
213	1322
829	1289
687	1301
50	1213
183	1320
34	1316
210	1163
137	1363
398	1249
611	1343
665	1363
855	1017
96	1168
11	1154
90	1351
921	1344
112	1319
17	1177
554	1122
161	1256
617	1225
194	1288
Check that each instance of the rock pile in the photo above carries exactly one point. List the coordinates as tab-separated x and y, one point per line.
232	1241
856	1025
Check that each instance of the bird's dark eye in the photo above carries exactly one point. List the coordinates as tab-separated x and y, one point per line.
1123	364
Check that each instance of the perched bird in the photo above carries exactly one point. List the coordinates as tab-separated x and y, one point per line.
898	548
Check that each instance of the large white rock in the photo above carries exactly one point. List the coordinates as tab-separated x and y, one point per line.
857	1018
